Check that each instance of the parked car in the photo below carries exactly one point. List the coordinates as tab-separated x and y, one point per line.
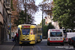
69	35
72	41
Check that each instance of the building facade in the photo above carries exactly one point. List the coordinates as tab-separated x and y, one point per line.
49	20
4	19
1	20
47	8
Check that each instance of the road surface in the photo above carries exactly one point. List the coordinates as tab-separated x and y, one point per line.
43	46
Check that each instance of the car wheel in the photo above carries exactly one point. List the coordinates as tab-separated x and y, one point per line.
62	44
48	43
74	45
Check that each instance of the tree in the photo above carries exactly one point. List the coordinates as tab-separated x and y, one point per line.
44	0
22	18
43	22
50	26
45	31
28	6
45	28
64	13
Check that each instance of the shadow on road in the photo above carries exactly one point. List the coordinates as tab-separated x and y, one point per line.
8	43
42	43
55	45
24	44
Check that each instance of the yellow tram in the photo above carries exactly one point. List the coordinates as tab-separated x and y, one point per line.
29	33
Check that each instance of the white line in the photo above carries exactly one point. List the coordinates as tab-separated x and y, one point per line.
39	47
69	47
34	48
66	47
19	47
22	48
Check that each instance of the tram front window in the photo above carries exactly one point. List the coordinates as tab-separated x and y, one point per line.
25	31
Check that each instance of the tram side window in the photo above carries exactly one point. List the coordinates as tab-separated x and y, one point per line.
35	30
39	30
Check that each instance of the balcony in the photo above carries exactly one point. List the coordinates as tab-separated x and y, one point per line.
1	19
8	6
9	12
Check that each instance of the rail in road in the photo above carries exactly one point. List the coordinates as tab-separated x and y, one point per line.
43	46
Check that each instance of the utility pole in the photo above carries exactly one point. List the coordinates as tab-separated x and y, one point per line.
42	18
25	11
25	3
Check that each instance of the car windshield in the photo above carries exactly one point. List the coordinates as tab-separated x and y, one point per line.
25	31
56	34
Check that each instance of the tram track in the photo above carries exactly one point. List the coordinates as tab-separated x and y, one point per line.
23	47
42	46
20	47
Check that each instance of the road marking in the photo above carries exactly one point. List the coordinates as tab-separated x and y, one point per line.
66	47
38	47
69	47
20	47
59	46
34	48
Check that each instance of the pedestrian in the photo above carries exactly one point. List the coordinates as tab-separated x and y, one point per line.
16	37
13	39
8	37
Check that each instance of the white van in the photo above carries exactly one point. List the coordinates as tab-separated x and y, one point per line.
69	35
55	36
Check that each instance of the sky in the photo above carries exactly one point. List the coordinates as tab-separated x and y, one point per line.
38	14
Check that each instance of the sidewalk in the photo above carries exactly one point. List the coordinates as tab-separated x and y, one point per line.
7	45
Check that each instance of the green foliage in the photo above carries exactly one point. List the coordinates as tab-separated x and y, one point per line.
12	5
22	18
50	26
43	22
64	13
44	0
45	29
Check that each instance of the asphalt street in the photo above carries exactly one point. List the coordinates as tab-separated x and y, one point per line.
43	46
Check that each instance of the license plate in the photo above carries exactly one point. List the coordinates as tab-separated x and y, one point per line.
53	39
25	38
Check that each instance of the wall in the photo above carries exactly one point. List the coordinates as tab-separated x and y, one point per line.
49	20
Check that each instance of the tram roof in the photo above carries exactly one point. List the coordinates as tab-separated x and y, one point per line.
27	24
